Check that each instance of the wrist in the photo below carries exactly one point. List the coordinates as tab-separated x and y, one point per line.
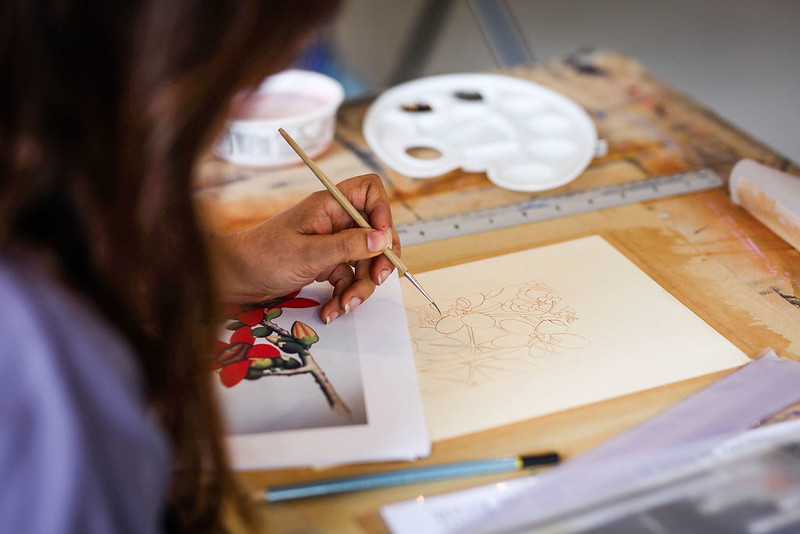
228	267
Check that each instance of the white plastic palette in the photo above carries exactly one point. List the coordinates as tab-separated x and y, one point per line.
524	136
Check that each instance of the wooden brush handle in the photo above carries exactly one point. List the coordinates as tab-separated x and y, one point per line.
340	198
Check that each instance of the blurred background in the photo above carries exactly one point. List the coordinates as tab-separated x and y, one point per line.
739	58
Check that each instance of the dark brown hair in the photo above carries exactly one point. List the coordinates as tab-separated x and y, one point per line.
105	107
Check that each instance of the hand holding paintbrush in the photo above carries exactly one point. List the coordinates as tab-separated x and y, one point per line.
353	212
314	239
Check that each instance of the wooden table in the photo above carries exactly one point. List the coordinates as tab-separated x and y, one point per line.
713	256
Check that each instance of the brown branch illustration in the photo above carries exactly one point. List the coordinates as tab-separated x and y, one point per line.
310	366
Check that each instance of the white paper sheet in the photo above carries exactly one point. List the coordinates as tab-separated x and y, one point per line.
547	329
284	421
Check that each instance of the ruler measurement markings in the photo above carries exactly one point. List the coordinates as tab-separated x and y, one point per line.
540	209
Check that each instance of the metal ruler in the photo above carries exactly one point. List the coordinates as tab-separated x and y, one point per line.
540	209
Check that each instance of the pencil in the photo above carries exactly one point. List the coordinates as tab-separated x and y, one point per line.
407	476
353	212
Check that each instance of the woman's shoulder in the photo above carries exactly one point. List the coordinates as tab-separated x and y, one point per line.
48	330
75	436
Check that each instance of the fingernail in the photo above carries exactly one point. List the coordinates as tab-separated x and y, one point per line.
376	241
388	233
351	304
383	276
331	317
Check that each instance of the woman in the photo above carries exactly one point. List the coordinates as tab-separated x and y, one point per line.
106	287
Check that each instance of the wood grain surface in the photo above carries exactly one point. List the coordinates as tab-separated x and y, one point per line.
710	254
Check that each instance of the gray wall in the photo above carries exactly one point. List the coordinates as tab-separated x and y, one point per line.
740	58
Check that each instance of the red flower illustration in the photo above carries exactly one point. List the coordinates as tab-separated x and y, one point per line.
281	352
287	301
252	314
235	358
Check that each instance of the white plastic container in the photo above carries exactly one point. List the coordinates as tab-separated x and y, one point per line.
771	196
304	103
524	136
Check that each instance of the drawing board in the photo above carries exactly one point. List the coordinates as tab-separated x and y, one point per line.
547	329
295	392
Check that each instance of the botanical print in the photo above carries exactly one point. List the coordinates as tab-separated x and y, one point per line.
265	349
493	335
288	352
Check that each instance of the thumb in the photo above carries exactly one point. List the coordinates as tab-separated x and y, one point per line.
347	245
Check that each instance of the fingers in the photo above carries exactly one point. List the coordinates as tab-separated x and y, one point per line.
350	289
321	214
317	240
360	290
322	251
368	195
340	278
381	267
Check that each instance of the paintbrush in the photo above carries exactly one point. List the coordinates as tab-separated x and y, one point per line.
354	213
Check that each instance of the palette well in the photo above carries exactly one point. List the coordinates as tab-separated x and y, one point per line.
524	136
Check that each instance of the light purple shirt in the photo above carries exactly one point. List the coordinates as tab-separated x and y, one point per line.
78	452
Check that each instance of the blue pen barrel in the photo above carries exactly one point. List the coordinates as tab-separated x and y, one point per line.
407	476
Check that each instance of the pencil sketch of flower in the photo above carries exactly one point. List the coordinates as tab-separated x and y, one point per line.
547	337
492	335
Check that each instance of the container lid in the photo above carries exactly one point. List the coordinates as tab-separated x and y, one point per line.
524	136
302	102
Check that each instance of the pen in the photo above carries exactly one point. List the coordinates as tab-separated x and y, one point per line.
353	212
406	476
